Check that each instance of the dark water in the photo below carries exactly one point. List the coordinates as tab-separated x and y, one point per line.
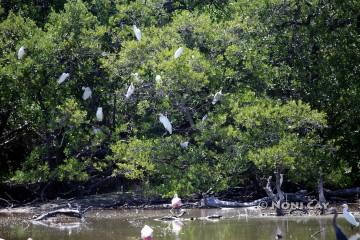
126	224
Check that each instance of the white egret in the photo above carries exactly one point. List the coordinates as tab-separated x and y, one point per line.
99	114
63	77
87	93
96	130
204	117
147	233
158	79
184	145
130	91
176	202
217	97
178	52
165	121
349	217
21	52
137	32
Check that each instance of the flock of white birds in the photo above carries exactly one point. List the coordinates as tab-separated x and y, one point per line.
131	89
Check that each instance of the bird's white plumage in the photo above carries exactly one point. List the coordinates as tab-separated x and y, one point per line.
217	97
348	216
146	232
184	144
178	52
87	93
63	77
137	32
166	123
130	91
176	201
96	130
21	52
99	114
204	117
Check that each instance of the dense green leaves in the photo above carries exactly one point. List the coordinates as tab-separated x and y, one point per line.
287	71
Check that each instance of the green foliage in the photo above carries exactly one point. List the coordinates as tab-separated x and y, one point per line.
288	71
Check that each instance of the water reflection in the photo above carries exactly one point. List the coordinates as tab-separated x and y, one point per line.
234	225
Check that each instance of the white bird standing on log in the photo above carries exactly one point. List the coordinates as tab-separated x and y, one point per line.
217	97
99	114
349	217
21	52
130	91
137	32
176	202
63	77
166	123
87	93
147	233
179	52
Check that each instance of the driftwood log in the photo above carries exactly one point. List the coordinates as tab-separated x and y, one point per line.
63	211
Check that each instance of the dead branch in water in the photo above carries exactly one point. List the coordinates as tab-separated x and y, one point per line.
63	211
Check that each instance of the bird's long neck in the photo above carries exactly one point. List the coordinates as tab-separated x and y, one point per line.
334	219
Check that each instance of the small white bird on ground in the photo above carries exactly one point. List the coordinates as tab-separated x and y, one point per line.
349	217
217	97
63	77
184	145
21	52
87	93
166	123
137	32
99	114
147	233
130	91
179	52
176	202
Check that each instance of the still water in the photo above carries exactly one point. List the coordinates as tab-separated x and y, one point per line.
126	224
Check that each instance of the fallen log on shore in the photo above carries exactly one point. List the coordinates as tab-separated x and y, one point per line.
289	197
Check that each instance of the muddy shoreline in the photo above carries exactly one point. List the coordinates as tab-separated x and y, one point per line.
121	201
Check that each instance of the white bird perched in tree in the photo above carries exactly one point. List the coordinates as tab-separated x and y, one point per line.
63	77
176	202
204	117
217	97
87	93
99	114
184	145
21	52
349	217
96	130
158	79
137	32
147	233
130	91
165	121
178	52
